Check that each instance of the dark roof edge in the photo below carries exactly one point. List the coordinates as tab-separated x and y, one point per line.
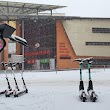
78	17
31	17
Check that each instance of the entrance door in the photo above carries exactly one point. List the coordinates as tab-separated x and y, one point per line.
44	64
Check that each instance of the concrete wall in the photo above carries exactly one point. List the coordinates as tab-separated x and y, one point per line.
79	31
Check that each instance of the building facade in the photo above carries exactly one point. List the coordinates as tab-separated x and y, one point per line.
55	42
83	37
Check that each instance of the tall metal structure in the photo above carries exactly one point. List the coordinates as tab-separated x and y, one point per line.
16	10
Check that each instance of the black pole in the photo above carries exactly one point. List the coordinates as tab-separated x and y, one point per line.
81	85
20	67
11	65
90	86
4	64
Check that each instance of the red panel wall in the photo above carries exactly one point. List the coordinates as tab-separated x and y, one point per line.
65	52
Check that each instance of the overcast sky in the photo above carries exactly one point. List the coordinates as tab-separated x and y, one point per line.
82	8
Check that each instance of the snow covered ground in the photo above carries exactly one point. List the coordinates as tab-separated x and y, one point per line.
51	91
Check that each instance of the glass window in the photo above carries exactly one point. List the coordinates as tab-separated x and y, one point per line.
98	43
42	32
101	30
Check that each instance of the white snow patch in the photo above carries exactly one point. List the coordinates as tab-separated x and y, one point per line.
51	91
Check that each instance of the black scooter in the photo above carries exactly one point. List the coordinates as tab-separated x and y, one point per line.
90	90
82	93
8	91
17	92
